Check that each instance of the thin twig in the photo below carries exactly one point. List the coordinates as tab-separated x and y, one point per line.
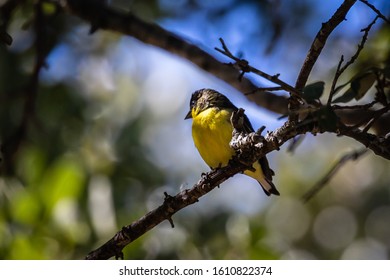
172	204
13	142
244	67
375	10
127	23
328	176
376	117
340	69
102	16
337	74
263	89
252	150
360	46
320	41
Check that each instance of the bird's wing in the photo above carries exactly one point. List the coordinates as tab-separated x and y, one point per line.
267	171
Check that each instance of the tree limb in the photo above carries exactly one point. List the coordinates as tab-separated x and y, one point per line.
372	7
243	66
340	69
171	205
249	147
252	147
100	16
103	17
320	41
328	176
13	141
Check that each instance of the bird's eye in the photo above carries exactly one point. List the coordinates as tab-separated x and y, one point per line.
194	98
192	102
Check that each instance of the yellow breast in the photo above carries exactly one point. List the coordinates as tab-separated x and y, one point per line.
212	132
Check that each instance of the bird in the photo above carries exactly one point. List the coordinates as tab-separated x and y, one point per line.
210	112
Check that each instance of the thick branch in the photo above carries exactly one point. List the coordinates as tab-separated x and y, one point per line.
12	143
103	17
171	205
320	41
259	147
372	7
379	145
250	147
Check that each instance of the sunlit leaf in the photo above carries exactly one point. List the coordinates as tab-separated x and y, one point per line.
48	8
24	247
25	207
64	179
313	91
31	164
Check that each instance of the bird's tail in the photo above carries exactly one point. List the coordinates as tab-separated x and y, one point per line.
268	187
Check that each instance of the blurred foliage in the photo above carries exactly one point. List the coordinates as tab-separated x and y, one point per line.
87	152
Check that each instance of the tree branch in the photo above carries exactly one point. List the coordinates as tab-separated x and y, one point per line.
12	142
171	205
340	69
320	41
329	175
372	7
103	17
379	145
243	66
249	148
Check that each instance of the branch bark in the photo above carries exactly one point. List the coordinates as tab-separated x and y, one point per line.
103	17
250	146
352	156
100	16
320	41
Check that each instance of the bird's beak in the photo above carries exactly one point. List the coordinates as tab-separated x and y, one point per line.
189	115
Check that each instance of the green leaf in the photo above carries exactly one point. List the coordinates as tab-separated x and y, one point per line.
63	180
313	91
25	207
338	88
49	8
362	84
346	97
386	71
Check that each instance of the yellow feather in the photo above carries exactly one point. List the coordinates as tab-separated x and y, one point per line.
212	132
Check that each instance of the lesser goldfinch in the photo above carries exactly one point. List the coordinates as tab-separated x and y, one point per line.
212	132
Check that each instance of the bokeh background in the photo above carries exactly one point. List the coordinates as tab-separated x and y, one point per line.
108	137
